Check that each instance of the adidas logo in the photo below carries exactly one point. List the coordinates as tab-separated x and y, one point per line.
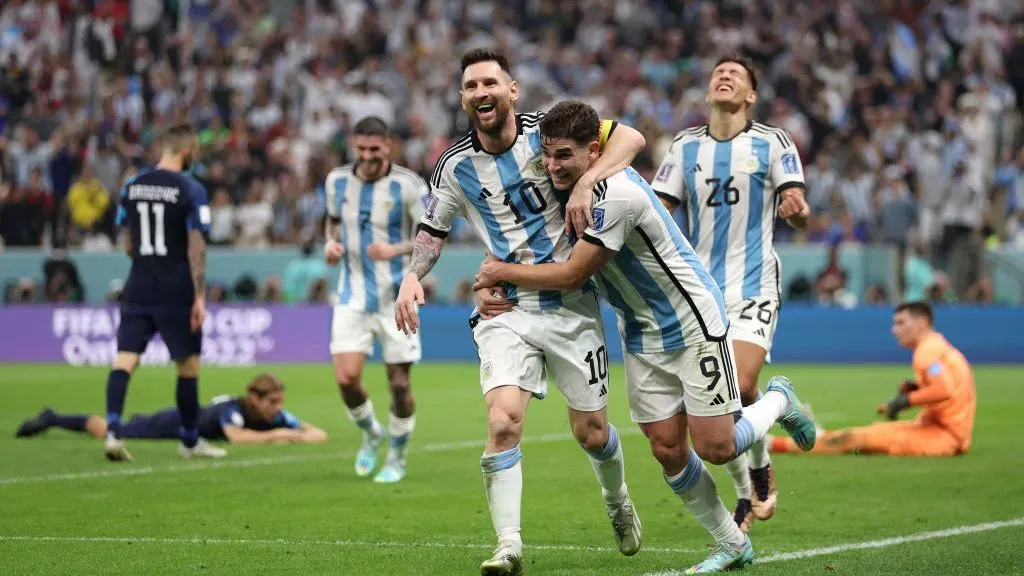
695	169
760	332
718	400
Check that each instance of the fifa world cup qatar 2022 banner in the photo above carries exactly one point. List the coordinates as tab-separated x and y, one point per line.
232	335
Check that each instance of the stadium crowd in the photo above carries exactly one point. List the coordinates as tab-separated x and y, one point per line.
907	113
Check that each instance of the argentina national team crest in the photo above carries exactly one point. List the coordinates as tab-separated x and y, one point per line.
537	166
598	218
789	164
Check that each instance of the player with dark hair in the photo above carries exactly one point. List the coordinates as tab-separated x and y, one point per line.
732	177
372	208
943	387
258	417
164	214
495	177
680	376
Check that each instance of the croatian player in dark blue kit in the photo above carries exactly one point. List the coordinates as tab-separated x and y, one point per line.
257	417
164	214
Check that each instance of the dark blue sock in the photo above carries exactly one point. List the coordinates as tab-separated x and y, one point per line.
73	422
188	407
117	389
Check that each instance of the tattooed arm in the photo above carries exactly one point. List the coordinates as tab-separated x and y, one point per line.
197	260
426	251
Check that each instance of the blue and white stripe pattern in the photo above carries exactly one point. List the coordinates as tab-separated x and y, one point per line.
730	193
501	461
689	476
384	211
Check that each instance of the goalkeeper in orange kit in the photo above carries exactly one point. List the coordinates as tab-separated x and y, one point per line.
943	388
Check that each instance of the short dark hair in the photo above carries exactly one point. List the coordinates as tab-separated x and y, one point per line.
477	55
371	126
179	136
571	119
919	308
742	60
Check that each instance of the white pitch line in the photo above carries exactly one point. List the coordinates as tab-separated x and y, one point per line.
130	470
870	544
341	543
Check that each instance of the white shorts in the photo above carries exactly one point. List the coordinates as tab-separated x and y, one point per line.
699	380
753	320
522	348
354	331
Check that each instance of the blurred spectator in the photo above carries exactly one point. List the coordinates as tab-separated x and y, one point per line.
302	272
255	217
61	280
88	201
830	284
271	291
222	217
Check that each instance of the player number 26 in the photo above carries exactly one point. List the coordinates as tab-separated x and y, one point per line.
764	311
730	194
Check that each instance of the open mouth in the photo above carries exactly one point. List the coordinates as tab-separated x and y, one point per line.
723	89
485	111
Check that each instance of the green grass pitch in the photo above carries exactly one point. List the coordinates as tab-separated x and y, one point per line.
301	510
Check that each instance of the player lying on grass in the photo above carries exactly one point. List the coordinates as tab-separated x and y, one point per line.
944	388
679	369
258	417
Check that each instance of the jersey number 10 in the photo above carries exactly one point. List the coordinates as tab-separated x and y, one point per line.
155	243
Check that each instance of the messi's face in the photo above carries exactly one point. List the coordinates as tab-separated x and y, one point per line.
566	161
730	86
488	94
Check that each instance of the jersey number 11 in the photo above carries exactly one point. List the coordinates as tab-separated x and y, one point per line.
150	244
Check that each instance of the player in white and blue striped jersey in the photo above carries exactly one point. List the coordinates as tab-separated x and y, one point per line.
673	323
494	178
372	208
732	177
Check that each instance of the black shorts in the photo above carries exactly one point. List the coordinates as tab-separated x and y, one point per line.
163	425
139	324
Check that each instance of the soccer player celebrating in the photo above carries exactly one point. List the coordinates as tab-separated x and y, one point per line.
672	319
372	207
943	387
732	176
164	213
258	417
494	176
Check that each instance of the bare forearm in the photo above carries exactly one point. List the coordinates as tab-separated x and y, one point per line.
623	146
331	229
426	251
550	276
128	242
197	260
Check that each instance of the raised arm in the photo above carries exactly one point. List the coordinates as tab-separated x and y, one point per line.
620	145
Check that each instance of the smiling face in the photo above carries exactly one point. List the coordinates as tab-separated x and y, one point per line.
566	160
372	153
730	87
488	93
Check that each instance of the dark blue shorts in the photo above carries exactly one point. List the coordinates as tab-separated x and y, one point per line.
139	324
162	425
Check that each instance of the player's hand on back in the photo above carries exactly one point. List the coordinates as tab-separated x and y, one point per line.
410	298
578	215
198	313
487	275
333	252
381	251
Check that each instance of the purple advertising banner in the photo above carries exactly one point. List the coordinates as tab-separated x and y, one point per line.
232	335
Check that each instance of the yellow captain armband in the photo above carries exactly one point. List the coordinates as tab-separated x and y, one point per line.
607	127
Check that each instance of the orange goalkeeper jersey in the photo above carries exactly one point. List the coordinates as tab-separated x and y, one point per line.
945	388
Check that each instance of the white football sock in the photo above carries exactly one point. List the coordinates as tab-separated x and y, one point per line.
696	488
400	430
503	482
758	419
610	468
759	457
738	468
364	417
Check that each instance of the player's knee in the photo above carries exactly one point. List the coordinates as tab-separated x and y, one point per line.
189	367
715	450
669	452
505	426
398	381
348	380
126	361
